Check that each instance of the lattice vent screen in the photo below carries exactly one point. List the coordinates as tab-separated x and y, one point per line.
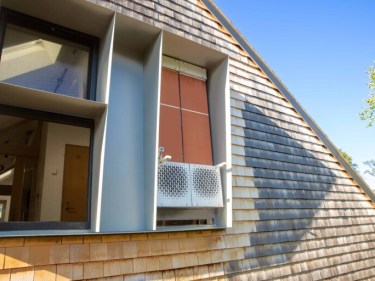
189	185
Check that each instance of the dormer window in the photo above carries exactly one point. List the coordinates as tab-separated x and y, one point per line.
190	188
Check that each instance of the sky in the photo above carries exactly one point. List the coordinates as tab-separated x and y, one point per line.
321	50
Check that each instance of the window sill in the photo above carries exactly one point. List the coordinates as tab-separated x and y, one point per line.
49	102
74	232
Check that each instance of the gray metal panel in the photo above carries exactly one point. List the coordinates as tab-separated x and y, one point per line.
151	99
119	211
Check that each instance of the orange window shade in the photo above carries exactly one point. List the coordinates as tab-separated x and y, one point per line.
184	122
193	94
196	138
169	88
170	134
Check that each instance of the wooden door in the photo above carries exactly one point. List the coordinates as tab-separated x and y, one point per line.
75	183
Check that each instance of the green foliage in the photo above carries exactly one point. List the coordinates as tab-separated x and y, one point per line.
371	76
368	114
348	158
371	165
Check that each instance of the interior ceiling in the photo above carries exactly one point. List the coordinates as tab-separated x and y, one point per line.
7	120
14	131
18	132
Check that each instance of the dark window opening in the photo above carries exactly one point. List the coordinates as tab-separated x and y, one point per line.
44	170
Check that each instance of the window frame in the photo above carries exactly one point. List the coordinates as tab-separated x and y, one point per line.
39	25
60	119
8	16
221	215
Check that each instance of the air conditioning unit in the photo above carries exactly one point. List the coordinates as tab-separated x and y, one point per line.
183	185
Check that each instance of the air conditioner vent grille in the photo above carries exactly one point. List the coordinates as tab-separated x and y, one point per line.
206	186
189	185
173	185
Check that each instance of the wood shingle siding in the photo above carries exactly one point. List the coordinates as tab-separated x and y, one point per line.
297	214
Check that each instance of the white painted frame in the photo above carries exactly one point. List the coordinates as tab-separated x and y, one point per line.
7	206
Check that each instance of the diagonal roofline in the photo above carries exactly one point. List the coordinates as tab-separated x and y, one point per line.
215	10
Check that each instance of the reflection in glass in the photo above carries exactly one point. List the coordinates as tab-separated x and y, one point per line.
36	60
43	170
3	209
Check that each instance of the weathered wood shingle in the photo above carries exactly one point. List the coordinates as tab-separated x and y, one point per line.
297	214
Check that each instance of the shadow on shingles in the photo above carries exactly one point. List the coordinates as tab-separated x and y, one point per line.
291	183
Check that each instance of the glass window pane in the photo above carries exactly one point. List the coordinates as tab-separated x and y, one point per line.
44	169
40	61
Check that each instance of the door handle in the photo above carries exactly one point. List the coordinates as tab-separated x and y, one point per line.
69	209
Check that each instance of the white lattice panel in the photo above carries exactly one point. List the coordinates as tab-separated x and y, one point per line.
206	183
189	185
174	185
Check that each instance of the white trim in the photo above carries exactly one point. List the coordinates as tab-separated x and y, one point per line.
193	70
7	206
185	68
171	63
172	106
176	107
195	111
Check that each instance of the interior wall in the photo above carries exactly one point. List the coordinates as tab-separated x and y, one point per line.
57	136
